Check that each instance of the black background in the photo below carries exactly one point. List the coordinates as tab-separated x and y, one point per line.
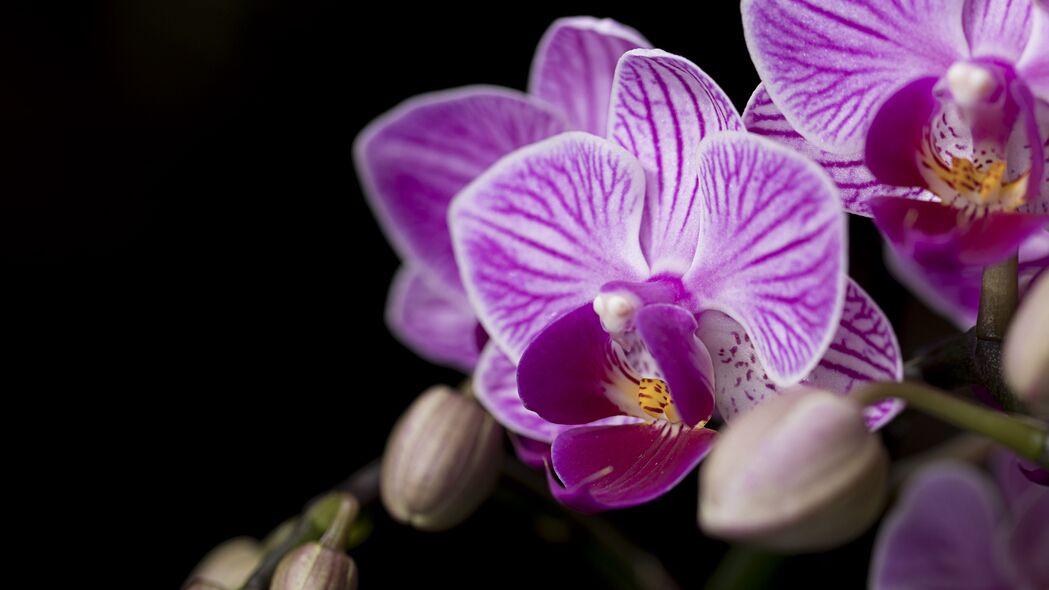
194	290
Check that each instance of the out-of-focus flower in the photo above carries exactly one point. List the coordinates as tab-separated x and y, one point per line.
799	473
1026	353
441	461
588	261
322	565
198	584
953	528
415	158
229	564
934	101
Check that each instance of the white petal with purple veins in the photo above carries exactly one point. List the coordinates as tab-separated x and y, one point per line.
662	108
829	64
854	179
1034	64
539	233
574	65
772	250
997	28
415	158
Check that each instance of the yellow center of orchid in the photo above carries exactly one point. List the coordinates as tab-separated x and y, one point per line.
653	395
976	188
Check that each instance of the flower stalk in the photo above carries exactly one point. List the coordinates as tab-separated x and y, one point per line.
998	300
1026	437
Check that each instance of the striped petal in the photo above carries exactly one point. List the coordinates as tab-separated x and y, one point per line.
434	321
539	233
1033	66
864	349
830	64
997	28
662	108
772	250
606	467
855	181
415	158
574	65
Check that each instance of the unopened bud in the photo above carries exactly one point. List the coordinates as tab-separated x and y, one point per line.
323	565
1026	350
441	460
229	564
799	472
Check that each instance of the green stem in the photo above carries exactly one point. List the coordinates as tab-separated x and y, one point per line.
1026	437
998	299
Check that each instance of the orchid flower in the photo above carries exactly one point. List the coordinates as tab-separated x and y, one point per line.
954	528
415	158
637	279
911	106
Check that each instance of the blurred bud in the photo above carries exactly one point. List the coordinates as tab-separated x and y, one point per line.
1026	351
229	564
441	460
799	472
198	584
315	567
323	565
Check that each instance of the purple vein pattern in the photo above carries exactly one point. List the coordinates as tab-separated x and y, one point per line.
771	281
855	181
830	64
426	150
574	65
997	28
663	106
544	228
1034	63
863	349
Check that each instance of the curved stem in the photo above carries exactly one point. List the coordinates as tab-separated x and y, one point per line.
1025	436
998	299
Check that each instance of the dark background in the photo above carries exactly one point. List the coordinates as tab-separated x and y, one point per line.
194	286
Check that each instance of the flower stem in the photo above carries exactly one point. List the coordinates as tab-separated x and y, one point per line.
1025	436
998	299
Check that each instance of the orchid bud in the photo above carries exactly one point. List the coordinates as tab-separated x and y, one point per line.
229	564
799	472
322	565
1026	350
441	460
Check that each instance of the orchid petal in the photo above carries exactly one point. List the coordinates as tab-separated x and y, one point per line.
574	65
997	28
1029	540
829	64
662	108
495	385
931	233
926	544
434	321
539	233
415	158
864	349
564	371
668	333
605	467
532	453
855	181
1023	159
1033	66
772	250
952	289
895	135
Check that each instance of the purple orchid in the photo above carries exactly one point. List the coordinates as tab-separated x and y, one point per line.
912	106
414	159
954	529
595	265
